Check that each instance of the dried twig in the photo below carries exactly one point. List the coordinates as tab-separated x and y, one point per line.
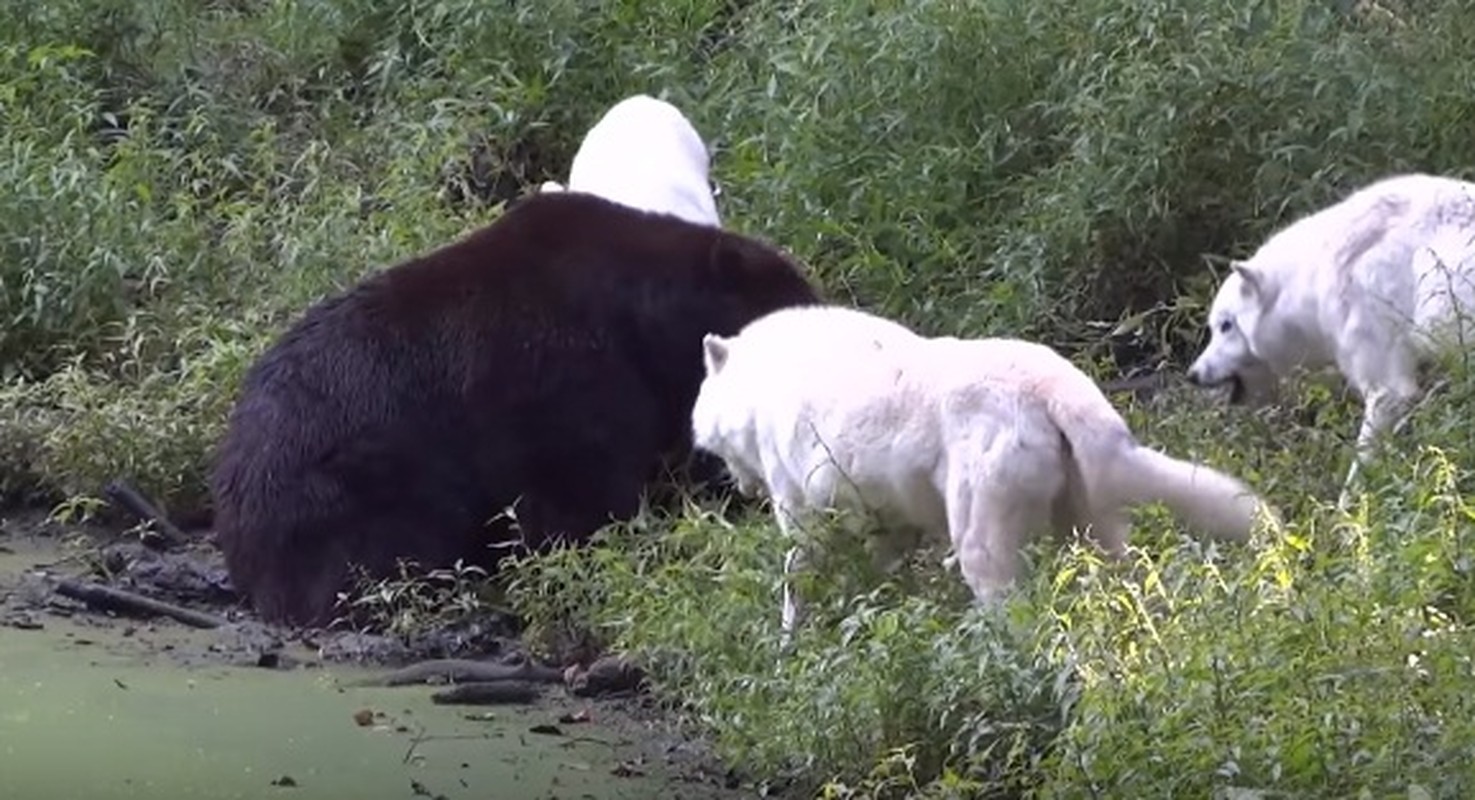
123	495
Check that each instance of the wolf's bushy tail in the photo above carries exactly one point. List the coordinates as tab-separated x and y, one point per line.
1205	498
1119	472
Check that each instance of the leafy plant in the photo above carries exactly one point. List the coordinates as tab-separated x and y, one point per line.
181	180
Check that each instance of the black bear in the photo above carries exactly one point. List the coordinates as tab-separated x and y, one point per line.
547	362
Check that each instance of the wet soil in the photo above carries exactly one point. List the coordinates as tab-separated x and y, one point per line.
101	704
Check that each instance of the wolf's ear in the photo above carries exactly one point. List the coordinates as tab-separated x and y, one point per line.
714	353
1250	275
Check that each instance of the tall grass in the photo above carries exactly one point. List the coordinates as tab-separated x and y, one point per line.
181	179
1331	658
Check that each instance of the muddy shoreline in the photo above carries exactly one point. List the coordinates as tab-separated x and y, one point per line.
525	714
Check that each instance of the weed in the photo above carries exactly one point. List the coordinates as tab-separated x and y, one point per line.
182	180
417	600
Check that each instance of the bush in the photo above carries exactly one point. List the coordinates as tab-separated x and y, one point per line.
1331	658
182	179
1043	169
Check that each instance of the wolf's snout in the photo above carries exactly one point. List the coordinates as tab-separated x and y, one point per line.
1195	376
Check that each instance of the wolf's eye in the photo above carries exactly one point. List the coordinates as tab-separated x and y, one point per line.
1226	326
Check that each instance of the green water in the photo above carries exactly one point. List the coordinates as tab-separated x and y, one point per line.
93	720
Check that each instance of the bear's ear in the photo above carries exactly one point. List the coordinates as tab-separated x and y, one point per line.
714	353
1253	282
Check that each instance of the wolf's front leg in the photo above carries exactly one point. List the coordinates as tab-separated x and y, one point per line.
796	560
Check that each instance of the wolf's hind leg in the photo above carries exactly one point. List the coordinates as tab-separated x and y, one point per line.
1070	512
1387	379
989	526
1386	411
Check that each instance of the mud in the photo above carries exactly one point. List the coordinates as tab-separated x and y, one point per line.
104	705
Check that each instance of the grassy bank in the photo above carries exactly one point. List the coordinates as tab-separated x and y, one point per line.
1329	659
182	178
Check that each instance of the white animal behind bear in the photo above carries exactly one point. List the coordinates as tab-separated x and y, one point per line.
644	153
1376	285
979	442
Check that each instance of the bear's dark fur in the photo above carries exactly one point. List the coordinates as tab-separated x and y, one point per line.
551	358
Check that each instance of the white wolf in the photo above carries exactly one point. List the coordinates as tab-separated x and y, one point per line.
979	442
1376	285
646	154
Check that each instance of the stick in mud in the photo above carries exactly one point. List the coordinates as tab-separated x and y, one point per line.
133	501
107	598
462	670
488	693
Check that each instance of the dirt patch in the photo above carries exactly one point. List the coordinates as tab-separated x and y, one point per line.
557	731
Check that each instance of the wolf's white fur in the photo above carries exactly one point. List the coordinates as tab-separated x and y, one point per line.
646	154
1374	285
980	442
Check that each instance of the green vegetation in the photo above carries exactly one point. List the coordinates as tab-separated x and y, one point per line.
182	178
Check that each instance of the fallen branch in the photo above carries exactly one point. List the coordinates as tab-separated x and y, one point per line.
106	598
123	495
460	670
488	694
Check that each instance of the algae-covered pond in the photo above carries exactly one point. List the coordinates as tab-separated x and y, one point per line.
97	707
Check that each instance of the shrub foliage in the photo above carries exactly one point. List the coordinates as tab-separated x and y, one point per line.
182	178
